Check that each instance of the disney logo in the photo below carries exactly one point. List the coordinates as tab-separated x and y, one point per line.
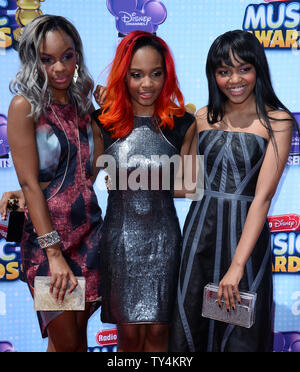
288	222
282	223
134	19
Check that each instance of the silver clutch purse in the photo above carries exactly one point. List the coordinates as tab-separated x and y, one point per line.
243	315
43	300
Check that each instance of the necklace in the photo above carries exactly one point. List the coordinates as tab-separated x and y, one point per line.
79	145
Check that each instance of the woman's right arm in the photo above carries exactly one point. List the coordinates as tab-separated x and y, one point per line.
21	137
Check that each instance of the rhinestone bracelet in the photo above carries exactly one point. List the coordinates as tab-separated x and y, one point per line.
48	240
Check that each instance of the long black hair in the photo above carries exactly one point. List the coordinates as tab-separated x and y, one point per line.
242	45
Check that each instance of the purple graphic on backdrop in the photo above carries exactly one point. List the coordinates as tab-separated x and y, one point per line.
132	15
294	158
6	347
287	342
295	144
4	148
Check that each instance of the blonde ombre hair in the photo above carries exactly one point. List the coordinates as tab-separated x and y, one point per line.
32	82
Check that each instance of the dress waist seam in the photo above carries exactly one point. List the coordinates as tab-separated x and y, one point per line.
224	195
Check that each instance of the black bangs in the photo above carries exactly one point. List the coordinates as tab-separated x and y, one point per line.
233	44
242	46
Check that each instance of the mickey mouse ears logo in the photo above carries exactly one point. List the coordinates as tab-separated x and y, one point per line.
132	15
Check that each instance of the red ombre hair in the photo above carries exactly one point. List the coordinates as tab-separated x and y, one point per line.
117	114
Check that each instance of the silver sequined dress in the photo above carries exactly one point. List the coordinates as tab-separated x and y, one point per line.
141	237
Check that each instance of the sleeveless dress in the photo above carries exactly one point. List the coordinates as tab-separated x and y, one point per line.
141	237
71	200
212	230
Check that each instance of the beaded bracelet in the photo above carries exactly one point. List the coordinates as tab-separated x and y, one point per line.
48	240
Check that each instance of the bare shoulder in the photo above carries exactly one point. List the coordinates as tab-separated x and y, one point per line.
19	104
280	120
202	113
19	115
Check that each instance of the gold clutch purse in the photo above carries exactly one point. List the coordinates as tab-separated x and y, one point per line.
44	301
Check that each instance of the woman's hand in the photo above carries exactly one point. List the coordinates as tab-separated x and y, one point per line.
100	94
228	286
61	274
4	202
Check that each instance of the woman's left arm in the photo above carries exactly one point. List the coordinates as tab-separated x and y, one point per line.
185	185
268	179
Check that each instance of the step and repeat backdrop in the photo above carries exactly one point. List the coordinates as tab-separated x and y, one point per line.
189	27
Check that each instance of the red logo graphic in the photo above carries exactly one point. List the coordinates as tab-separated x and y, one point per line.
107	337
285	222
3	230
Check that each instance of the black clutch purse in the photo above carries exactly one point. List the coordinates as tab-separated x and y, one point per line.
15	226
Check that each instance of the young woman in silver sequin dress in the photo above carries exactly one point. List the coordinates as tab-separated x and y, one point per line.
141	237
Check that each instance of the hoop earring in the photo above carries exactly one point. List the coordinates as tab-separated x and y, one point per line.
75	77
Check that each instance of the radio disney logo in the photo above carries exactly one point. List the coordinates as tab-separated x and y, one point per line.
288	222
3	229
107	337
132	15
